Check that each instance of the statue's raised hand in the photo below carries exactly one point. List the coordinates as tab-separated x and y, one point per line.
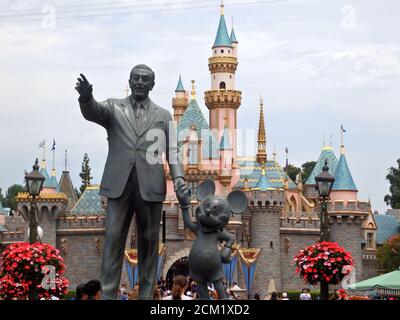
84	88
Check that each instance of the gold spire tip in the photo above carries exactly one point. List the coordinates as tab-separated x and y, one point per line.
193	91
222	7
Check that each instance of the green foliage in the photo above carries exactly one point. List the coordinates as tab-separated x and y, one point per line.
306	169
389	254
1	197
292	172
393	199
70	295
85	174
9	201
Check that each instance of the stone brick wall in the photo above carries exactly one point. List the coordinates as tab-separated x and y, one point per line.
264	228
346	231
291	243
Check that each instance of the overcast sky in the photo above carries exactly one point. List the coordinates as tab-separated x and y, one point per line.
317	63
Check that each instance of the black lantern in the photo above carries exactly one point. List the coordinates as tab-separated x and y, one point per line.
34	180
324	182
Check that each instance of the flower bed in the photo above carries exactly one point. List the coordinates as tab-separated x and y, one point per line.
23	268
323	261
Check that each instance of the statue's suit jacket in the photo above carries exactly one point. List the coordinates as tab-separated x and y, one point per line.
129	147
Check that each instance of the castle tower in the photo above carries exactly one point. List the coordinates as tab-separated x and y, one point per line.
262	137
223	99
344	189
180	101
67	187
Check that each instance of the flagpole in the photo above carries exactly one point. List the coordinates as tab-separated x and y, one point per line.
341	140
44	154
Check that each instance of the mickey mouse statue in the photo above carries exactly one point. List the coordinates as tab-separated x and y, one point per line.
205	258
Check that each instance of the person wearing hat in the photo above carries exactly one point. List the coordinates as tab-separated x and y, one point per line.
284	296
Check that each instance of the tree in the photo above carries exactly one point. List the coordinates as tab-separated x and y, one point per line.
85	174
11	193
393	199
1	197
292	171
78	194
389	254
306	169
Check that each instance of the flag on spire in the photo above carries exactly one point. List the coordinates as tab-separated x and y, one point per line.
341	128
42	144
54	145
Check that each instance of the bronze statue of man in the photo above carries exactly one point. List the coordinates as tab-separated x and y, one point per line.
139	133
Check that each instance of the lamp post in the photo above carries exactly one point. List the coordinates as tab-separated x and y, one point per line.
324	186
34	184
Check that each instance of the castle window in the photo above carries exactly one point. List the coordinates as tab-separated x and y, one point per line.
214	77
370	240
193	152
193	188
222	85
230	76
215	51
229	51
271	245
222	51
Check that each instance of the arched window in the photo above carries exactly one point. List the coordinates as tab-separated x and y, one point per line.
222	85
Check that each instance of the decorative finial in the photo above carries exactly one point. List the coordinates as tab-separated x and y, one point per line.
193	92
222	7
65	160
261	101
341	139
325	167
274	154
36	165
330	140
323	141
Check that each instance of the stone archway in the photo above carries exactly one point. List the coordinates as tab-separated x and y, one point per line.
176	256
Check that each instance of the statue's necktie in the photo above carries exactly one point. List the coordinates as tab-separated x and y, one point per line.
140	116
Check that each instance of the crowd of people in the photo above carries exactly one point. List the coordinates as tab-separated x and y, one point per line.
185	288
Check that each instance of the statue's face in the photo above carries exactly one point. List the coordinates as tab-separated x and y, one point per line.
141	83
213	213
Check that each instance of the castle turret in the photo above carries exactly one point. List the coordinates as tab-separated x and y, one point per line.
180	101
262	137
223	99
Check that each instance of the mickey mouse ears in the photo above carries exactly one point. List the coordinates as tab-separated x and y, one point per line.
205	189
237	201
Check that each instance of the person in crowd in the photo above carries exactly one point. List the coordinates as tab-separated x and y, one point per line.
134	293
284	296
274	296
81	293
156	293
178	289
93	290
256	296
305	294
123	292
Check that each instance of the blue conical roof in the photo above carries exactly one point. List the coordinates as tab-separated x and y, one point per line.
343	179
54	183
179	87
328	154
225	143
222	39
47	180
233	37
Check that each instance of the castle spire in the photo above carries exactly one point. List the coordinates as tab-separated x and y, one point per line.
193	91
222	39
262	139
179	87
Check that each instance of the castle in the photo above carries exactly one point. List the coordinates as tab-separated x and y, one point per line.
282	217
